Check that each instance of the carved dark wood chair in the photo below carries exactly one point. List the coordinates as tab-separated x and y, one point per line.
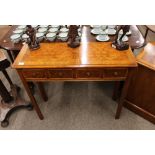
149	28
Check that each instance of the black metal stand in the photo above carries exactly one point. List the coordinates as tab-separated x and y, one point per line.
12	100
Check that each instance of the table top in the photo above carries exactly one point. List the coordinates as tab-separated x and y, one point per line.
147	56
136	40
88	54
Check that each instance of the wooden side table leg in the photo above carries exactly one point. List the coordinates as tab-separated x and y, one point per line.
33	100
123	94
116	90
42	91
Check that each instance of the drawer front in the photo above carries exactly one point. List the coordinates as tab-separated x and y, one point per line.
89	73
115	73
43	74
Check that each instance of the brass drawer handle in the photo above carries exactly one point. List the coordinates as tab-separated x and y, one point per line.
60	74
115	73
88	73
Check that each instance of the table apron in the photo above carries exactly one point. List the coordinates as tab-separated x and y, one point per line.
76	74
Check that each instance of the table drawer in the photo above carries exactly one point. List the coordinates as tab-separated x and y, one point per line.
115	73
89	73
36	73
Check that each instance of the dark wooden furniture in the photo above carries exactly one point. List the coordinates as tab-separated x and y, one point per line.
149	28
91	61
141	93
10	100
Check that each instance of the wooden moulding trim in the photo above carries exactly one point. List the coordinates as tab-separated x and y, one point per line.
75	79
141	112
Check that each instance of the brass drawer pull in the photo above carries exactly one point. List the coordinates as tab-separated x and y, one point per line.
60	74
88	73
115	73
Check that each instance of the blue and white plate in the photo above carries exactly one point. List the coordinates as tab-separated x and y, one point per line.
95	26
54	29
51	36
18	31
21	27
16	38
97	31
42	30
64	29
111	26
43	26
110	31
102	37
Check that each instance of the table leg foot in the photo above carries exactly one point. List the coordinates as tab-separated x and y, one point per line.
6	109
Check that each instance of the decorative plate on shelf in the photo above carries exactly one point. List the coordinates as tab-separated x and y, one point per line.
102	37
110	31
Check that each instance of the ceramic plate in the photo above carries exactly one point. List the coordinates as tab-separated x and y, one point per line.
125	38
53	29
15	36
97	31
64	29
111	26
102	37
50	35
42	30
44	26
18	31
128	33
110	31
25	36
34	26
95	26
39	35
63	35
55	26
21	27
103	27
